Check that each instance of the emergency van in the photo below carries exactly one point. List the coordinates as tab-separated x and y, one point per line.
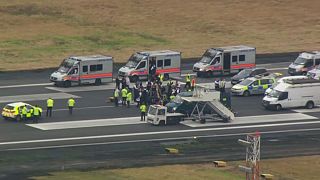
281	80
293	93
139	65
254	85
78	70
304	63
225	60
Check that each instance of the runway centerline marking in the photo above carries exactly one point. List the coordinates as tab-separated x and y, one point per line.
155	133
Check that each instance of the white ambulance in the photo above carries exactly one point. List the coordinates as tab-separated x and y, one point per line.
166	62
225	60
78	70
293	93
305	62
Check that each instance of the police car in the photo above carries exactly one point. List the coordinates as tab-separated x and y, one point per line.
254	85
13	111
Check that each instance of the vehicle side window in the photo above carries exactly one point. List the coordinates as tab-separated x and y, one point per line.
84	68
160	63
99	67
255	83
283	96
93	68
218	60
262	71
167	62
254	72
161	112
264	81
142	65
271	81
317	61
242	57
234	58
309	63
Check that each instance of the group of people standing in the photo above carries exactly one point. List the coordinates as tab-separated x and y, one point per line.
152	92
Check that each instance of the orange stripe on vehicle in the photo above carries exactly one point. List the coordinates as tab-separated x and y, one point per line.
170	70
243	66
92	76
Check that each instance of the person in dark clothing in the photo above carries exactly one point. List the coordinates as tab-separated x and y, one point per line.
118	83
123	83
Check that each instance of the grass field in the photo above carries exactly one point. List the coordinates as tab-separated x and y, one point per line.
40	33
296	168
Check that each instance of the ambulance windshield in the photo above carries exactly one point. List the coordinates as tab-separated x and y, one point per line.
134	60
208	56
66	65
300	61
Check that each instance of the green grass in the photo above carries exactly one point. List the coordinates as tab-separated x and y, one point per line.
174	172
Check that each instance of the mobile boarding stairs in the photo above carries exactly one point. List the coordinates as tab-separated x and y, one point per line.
208	107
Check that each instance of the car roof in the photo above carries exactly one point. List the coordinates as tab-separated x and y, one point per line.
18	104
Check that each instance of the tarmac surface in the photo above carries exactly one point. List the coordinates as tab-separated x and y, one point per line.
101	135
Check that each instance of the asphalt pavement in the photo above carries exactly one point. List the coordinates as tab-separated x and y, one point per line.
101	135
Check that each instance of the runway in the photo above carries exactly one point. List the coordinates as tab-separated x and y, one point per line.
101	135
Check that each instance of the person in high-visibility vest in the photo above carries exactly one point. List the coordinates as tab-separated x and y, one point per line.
172	97
50	103
116	97
124	93
161	76
36	114
24	112
129	98
143	110
71	103
222	85
188	81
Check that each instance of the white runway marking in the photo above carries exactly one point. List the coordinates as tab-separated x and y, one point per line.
82	88
36	97
254	119
87	123
155	133
136	120
316	109
159	139
25	85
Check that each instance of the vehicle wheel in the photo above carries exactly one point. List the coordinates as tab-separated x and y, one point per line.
97	82
278	107
246	93
166	77
304	73
161	123
310	105
67	84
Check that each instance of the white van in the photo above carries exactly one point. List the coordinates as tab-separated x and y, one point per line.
225	60
281	80
304	63
294	93
167	62
78	70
